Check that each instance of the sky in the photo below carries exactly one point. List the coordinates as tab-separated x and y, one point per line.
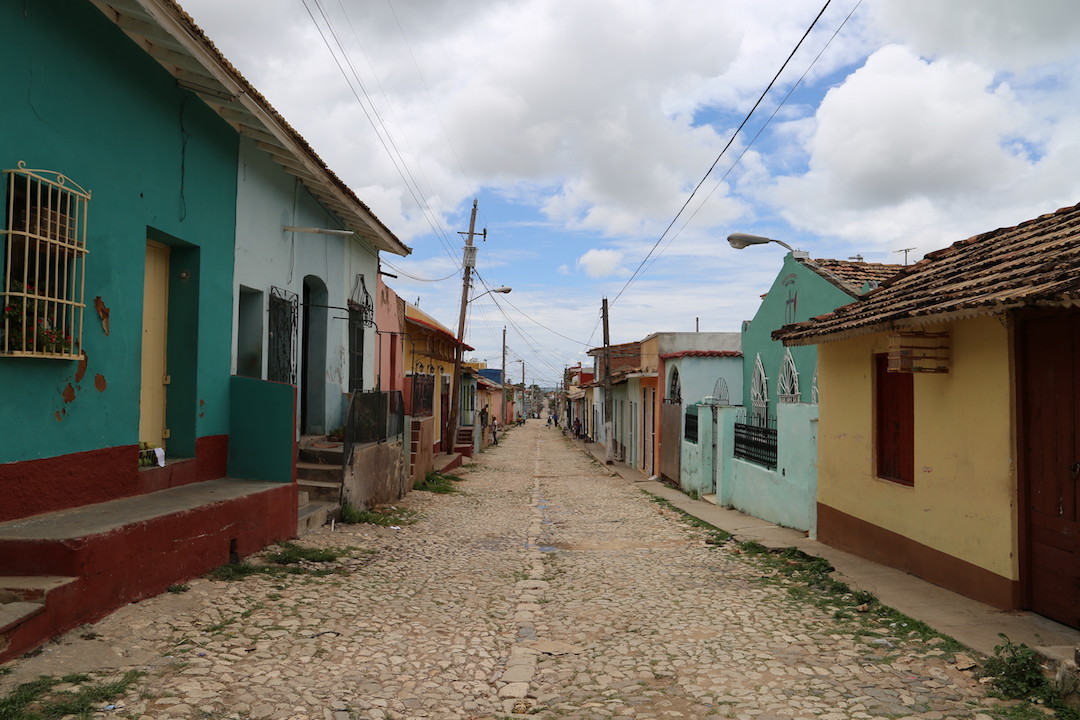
598	138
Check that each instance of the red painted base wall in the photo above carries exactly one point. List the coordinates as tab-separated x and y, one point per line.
33	487
141	560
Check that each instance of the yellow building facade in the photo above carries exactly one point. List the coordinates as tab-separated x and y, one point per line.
956	524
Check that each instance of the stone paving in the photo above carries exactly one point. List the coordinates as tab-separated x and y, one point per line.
550	588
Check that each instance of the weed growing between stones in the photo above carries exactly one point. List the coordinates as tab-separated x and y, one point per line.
437	482
1016	672
290	559
177	589
384	516
78	697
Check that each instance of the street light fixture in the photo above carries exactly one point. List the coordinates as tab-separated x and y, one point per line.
741	240
502	290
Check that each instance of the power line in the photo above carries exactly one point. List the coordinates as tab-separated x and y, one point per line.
724	150
757	135
396	269
395	155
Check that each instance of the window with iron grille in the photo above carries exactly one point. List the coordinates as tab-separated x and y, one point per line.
787	388
423	394
44	241
690	426
755	440
759	390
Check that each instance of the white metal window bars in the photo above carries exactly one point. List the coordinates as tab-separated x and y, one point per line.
787	388
813	389
44	269
759	391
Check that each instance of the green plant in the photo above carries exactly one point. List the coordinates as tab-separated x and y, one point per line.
438	483
178	588
292	553
383	516
38	700
1016	672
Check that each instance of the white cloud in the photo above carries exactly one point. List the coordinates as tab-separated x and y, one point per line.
599	263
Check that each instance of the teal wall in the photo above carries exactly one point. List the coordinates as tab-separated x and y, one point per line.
787	495
83	100
797	294
262	434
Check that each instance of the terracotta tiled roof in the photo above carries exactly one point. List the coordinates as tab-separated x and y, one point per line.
851	275
1036	263
701	353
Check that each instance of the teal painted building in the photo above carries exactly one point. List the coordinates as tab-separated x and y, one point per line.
159	167
766	457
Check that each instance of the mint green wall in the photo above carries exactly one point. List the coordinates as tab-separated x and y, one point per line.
813	295
787	495
83	100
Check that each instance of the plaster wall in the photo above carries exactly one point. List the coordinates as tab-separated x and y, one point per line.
796	294
787	495
158	163
377	474
268	199
963	502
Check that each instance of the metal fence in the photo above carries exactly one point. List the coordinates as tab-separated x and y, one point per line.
755	440
374	417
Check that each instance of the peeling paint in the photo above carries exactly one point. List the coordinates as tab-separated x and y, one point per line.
69	393
58	418
103	313
99	382
82	367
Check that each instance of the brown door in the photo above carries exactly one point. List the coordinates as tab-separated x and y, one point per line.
1049	354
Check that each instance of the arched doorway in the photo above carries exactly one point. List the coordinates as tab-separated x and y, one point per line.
313	357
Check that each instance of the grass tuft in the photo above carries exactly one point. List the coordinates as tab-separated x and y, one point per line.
384	516
439	483
38	699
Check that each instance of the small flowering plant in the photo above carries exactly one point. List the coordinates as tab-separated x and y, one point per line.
41	336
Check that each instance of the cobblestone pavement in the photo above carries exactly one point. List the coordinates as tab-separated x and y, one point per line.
549	587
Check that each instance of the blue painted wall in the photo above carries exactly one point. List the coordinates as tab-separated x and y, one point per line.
83	100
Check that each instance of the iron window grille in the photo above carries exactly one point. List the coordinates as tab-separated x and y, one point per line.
759	390
284	310
755	440
787	385
690	426
423	394
45	265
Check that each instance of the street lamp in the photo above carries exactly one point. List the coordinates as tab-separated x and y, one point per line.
502	290
741	240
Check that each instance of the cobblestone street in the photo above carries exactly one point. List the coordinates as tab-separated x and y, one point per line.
549	586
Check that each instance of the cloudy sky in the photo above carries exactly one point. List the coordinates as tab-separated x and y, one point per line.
583	127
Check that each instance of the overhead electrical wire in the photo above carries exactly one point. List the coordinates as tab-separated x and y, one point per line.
760	130
395	155
731	140
409	275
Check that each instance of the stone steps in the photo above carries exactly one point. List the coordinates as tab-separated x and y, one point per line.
319	476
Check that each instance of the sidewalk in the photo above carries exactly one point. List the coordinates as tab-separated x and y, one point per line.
969	621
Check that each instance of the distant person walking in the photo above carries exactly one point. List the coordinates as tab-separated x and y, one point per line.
494	431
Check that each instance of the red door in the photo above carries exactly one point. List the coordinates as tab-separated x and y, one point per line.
1049	354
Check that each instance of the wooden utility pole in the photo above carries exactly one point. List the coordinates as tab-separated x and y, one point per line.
609	444
467	264
502	372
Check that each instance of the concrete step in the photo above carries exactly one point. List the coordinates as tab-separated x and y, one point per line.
322	452
317	471
15	614
314	515
320	490
31	588
303	497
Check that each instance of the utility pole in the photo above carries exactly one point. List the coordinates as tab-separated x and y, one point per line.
502	373
468	263
609	454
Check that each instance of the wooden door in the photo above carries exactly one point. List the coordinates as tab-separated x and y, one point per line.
1049	353
154	334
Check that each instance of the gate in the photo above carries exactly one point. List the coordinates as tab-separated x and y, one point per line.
671	416
284	310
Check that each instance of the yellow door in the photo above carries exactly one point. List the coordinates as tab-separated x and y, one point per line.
154	372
